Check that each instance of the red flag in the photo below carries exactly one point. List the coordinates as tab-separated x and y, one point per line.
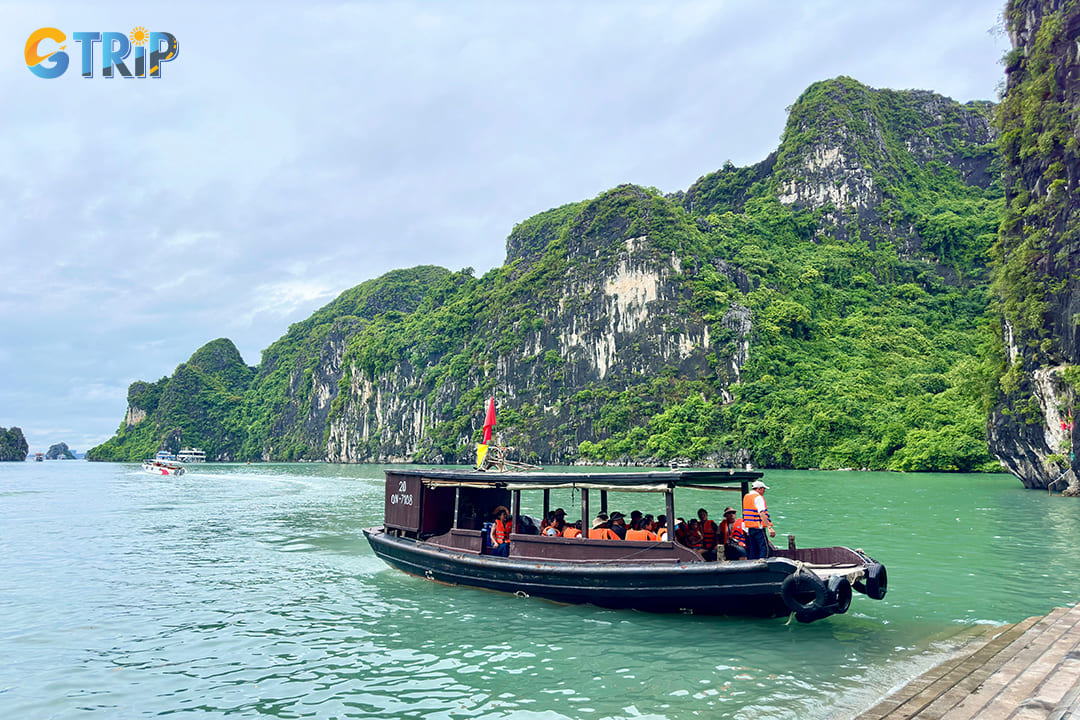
489	421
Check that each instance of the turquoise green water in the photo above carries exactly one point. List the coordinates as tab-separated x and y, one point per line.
249	591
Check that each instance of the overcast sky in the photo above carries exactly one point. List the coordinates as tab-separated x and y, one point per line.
293	150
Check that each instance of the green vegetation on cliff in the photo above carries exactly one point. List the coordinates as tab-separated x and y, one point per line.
1036	288
199	406
859	359
13	446
1036	252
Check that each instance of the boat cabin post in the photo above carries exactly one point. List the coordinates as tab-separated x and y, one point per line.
603	501
547	503
584	513
455	521
515	510
669	508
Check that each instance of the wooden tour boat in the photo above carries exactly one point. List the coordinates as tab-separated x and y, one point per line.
434	527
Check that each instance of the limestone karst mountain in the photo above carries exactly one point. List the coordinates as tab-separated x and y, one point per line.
823	308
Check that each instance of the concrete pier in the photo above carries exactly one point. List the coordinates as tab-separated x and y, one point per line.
1026	671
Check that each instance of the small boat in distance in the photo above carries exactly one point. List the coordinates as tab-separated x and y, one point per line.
191	455
158	466
435	527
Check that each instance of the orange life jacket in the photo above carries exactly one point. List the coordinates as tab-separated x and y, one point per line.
500	532
708	534
602	534
641	535
735	532
571	532
750	515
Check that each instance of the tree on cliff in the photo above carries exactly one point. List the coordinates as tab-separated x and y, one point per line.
13	446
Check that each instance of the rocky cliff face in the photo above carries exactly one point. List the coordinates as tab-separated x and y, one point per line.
611	313
1031	429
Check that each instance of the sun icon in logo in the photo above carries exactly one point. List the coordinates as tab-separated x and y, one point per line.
138	35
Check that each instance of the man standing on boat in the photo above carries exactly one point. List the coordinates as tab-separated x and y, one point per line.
756	519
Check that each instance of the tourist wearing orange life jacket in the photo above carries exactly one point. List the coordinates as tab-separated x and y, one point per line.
681	530
709	534
693	536
733	535
548	523
601	531
756	520
500	532
639	531
556	525
572	531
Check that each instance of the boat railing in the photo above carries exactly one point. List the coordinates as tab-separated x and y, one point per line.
823	557
461	539
544	547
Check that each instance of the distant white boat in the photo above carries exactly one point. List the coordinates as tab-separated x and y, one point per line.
163	467
191	455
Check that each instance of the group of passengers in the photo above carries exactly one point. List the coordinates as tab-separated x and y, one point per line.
701	534
709	539
729	539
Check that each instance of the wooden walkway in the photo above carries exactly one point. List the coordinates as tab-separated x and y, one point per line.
1027	671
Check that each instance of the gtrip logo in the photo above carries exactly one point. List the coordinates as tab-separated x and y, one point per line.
46	58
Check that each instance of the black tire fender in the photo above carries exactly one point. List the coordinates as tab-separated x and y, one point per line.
877	581
799	583
839	594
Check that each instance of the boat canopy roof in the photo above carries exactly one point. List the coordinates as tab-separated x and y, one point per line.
654	481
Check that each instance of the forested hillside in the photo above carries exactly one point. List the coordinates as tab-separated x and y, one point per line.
823	308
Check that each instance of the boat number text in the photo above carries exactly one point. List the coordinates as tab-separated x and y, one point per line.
401	497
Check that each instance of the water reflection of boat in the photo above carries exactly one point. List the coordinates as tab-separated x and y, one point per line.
434	528
163	467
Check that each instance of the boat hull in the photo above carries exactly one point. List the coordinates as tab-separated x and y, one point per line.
749	587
